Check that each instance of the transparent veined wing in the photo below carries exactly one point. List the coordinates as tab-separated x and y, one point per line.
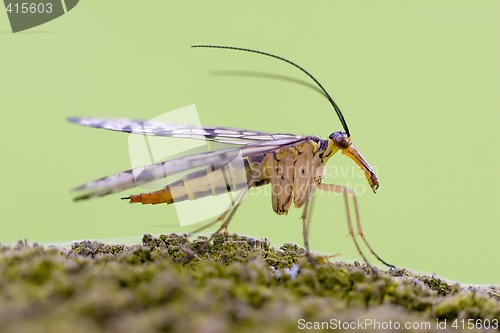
145	174
152	128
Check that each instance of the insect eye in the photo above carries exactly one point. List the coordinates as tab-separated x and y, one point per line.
342	142
340	139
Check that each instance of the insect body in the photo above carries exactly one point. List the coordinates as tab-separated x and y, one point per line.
293	165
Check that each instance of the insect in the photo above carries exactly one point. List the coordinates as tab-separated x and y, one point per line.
293	165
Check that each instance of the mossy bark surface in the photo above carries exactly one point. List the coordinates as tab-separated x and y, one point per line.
236	284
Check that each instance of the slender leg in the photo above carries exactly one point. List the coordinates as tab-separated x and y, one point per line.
362	235
346	192
226	216
306	220
222	217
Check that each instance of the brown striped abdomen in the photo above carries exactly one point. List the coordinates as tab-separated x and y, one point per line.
213	180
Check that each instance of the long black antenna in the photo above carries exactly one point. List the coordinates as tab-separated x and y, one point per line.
337	109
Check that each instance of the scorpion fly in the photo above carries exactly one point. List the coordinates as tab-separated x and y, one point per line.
293	165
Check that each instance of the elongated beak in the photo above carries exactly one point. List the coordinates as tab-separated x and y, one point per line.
370	175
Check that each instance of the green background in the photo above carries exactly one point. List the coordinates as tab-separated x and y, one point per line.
417	82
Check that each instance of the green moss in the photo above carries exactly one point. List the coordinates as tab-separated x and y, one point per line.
233	284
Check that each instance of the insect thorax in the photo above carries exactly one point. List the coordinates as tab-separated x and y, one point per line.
291	171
